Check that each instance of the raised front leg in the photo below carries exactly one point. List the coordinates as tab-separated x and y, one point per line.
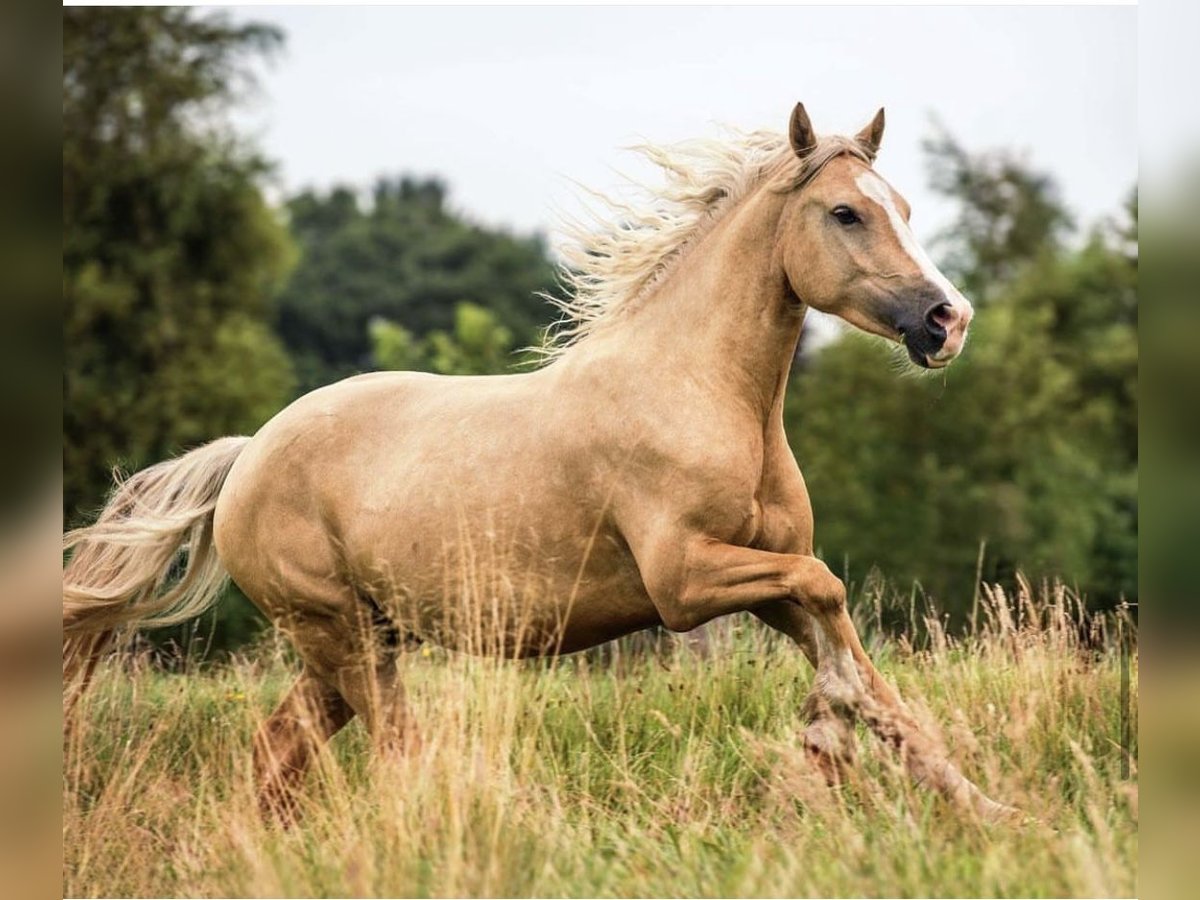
878	704
694	579
706	579
789	617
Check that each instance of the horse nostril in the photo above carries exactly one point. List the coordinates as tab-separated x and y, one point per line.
940	317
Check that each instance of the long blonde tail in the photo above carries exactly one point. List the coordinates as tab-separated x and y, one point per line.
148	560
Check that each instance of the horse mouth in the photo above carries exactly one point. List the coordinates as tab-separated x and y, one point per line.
921	354
918	355
929	360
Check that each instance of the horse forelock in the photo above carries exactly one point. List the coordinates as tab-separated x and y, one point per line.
629	246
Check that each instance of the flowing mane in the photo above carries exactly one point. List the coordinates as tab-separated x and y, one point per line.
605	269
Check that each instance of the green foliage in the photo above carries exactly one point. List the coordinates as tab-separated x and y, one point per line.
170	253
1008	214
478	345
1028	443
1171	421
229	626
408	259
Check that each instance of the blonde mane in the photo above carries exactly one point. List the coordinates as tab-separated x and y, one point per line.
605	270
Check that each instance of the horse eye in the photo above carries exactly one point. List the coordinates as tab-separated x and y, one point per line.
845	215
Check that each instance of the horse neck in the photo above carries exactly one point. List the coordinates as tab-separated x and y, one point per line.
725	317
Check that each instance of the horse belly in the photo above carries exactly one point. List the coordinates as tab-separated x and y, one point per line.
498	556
491	597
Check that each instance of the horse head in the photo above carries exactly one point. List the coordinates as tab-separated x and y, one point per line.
847	248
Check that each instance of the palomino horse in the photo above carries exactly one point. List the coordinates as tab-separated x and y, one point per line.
642	477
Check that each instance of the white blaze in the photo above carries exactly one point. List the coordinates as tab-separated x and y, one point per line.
875	188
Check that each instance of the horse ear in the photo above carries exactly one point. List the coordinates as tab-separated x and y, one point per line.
871	136
800	132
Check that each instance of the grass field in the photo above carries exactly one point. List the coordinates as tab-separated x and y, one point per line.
672	773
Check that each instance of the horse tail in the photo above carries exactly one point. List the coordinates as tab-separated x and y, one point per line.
148	560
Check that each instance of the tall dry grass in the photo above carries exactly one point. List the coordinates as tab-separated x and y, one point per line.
663	773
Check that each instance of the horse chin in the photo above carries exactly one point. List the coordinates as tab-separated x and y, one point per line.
942	358
922	358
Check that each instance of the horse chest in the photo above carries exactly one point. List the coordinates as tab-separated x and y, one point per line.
784	512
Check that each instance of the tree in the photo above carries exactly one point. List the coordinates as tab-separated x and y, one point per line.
478	345
171	255
1008	214
405	258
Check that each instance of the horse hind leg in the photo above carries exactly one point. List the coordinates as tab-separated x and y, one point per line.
349	657
312	712
288	740
377	694
354	682
372	684
355	651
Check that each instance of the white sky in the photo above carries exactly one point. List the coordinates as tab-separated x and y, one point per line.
1169	120
507	105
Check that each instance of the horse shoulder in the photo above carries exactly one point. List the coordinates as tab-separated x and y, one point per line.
691	470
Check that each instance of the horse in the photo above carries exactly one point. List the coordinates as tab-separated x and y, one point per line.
639	477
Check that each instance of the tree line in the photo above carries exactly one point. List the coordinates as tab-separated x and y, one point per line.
195	308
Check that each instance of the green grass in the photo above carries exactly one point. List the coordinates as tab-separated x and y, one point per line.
652	774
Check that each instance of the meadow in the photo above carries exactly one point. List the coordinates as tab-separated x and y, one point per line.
666	769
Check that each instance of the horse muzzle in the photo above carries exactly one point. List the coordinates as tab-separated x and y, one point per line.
937	336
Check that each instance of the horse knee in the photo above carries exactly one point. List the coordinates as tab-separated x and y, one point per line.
820	591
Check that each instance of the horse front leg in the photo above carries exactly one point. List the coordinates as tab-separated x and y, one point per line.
694	579
848	684
790	618
885	713
828	735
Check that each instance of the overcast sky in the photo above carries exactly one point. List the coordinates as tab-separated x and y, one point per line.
508	105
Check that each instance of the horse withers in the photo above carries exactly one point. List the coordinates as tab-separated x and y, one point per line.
640	477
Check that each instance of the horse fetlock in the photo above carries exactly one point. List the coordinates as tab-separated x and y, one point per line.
832	736
888	724
830	745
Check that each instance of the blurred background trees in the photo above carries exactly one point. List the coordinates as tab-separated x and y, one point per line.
171	256
404	257
195	308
